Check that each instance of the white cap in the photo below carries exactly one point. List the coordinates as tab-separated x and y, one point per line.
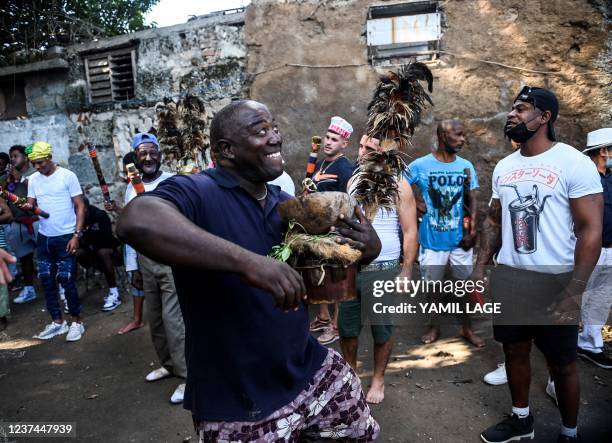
599	139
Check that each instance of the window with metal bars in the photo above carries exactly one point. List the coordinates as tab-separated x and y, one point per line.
111	76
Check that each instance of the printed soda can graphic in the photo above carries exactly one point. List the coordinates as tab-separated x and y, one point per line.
524	220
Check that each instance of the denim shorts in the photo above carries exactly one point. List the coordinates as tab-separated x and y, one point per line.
134	291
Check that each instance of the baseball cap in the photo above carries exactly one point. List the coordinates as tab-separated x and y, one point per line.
144	137
544	100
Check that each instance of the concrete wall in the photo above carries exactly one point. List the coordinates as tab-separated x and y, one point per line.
566	38
209	61
45	93
53	128
303	98
206	57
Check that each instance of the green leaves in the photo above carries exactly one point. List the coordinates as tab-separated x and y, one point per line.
281	252
285	253
28	27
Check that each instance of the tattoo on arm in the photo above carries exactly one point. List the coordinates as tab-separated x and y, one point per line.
490	238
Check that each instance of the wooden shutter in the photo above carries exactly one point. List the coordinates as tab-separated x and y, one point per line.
111	76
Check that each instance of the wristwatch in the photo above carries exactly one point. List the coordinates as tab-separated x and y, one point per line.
78	234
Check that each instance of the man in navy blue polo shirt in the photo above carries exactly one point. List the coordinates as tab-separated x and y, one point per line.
254	372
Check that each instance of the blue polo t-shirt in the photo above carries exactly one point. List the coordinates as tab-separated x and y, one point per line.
441	186
245	358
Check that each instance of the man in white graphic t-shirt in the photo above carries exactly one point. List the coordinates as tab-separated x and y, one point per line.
57	191
545	218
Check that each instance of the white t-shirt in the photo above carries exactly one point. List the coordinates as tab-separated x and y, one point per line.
54	194
534	192
285	182
131	256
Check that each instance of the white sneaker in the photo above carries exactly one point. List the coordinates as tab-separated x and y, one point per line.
157	374
178	394
76	331
27	294
550	390
111	302
497	377
51	330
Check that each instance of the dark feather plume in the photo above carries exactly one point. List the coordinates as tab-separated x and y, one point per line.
395	109
183	132
377	182
393	114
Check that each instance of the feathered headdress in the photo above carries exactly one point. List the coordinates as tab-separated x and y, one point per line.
393	114
183	133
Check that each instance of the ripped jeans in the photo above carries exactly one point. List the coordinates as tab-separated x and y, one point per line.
56	266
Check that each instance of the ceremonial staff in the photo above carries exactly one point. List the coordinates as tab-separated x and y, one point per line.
93	154
20	201
308	184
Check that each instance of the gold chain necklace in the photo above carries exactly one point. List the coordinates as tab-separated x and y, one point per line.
323	171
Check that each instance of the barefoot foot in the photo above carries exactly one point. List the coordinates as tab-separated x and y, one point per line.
376	394
130	327
432	335
471	336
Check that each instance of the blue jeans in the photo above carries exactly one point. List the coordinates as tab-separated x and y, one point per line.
56	266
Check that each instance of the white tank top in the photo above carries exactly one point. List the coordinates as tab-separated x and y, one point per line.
387	226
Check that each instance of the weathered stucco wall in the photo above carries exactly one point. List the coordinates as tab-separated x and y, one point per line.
303	99
206	57
208	61
45	93
53	128
568	39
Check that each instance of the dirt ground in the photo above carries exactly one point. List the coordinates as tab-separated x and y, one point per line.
433	393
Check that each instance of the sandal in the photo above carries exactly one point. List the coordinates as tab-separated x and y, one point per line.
318	324
329	336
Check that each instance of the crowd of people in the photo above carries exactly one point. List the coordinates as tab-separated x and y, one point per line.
548	231
78	233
